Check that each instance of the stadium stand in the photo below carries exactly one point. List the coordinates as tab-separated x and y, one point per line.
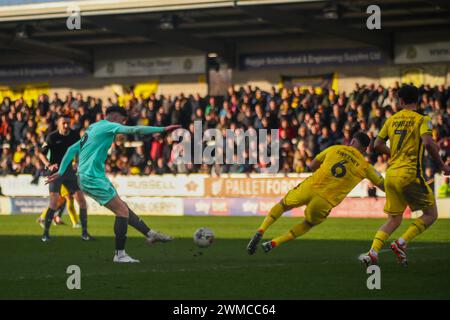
308	121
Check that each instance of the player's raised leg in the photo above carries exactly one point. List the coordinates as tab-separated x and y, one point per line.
420	224
296	231
151	236
296	197
417	227
124	217
420	197
316	212
275	212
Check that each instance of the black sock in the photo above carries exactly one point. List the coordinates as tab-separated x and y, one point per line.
120	230
61	209
48	219
137	223
83	219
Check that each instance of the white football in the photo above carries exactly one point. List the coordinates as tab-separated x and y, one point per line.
203	237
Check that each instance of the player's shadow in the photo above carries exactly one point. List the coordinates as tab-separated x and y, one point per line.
301	269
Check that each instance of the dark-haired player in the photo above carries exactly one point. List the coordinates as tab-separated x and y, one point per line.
337	170
92	150
57	144
409	133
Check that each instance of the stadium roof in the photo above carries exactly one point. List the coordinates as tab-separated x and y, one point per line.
207	25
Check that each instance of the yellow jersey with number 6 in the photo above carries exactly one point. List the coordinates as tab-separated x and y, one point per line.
341	169
404	130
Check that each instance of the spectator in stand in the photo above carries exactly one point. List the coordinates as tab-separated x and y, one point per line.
308	122
137	161
43	105
5	127
335	134
390	99
347	137
325	140
211	106
161	167
6	160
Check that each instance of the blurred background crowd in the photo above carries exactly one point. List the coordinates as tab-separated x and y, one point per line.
308	121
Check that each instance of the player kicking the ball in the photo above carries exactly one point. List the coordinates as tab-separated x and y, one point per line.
409	133
337	170
92	150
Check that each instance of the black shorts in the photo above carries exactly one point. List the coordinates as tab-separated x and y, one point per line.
69	180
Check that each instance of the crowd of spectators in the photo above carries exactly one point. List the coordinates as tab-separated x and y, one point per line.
308	122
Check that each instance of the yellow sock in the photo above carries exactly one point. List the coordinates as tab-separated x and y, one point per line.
416	228
379	240
43	214
72	212
297	231
276	212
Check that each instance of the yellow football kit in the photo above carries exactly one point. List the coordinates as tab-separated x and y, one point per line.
405	184
64	192
341	169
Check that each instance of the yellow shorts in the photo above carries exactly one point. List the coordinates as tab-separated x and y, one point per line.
63	192
402	191
317	208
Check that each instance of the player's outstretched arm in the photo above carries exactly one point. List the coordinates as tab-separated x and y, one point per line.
433	150
381	147
145	130
172	127
66	161
375	177
68	157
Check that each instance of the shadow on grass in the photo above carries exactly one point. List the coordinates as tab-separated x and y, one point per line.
301	269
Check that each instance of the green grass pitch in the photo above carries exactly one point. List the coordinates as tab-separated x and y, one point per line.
321	265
